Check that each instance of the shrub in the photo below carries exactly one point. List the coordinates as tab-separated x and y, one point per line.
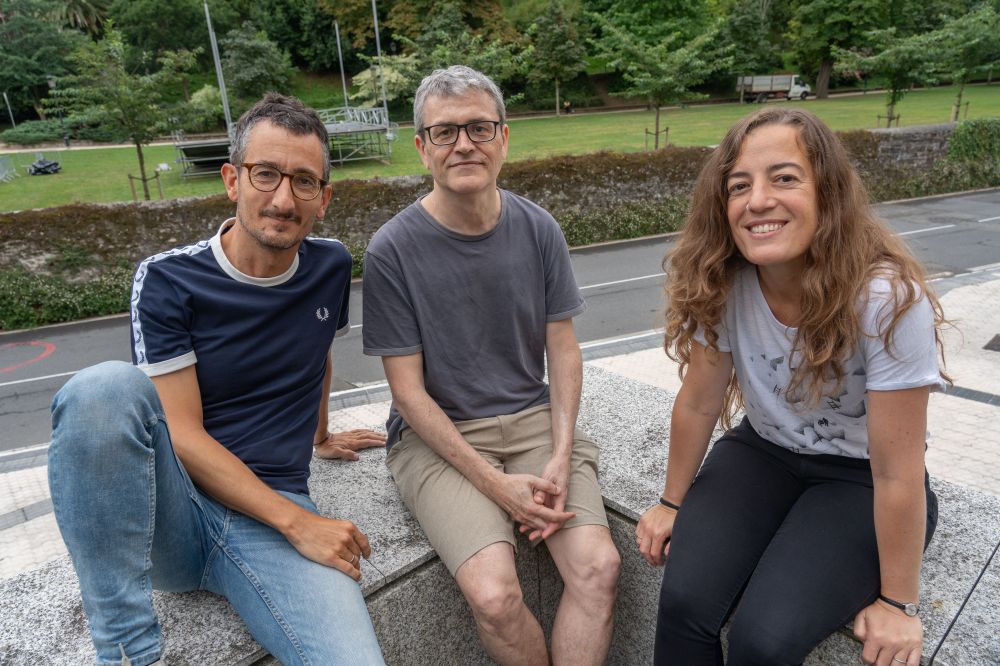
46	278
975	140
33	131
28	300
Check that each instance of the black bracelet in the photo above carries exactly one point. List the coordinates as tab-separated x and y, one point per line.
669	504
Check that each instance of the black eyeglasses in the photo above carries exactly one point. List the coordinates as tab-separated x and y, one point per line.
479	131
267	178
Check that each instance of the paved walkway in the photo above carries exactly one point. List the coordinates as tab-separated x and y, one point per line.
964	442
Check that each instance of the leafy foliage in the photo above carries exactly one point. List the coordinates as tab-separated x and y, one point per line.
28	300
33	46
976	141
749	28
559	53
901	62
820	26
664	72
155	26
969	44
85	15
253	64
123	103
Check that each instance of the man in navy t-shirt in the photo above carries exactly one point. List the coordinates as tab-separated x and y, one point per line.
235	334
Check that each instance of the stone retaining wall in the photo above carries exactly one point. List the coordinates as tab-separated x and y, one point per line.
918	146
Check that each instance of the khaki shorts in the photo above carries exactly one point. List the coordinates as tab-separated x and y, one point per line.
458	519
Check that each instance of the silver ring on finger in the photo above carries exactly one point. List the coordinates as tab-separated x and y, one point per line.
354	558
899	661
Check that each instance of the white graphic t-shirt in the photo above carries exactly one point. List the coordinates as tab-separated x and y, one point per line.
761	349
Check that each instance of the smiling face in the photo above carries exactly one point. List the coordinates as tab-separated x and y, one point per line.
277	221
771	205
464	167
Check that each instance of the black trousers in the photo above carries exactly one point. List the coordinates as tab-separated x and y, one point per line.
784	543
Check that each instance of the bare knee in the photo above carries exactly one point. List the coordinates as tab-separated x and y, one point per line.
496	603
594	575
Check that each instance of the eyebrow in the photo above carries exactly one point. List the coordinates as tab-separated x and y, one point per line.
294	171
770	169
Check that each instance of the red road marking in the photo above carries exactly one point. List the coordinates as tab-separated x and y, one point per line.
47	349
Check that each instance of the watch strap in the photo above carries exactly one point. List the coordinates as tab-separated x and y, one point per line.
910	609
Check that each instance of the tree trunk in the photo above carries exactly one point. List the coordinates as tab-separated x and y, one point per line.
958	104
558	108
891	110
142	170
656	137
823	79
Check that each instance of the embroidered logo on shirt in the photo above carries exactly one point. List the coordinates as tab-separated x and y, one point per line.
322	314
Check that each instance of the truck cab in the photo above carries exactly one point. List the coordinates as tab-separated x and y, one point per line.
800	89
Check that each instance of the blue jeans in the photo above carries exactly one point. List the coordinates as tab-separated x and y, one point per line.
133	521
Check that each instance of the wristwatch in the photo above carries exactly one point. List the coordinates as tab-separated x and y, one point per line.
910	609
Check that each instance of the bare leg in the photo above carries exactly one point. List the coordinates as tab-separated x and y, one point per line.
508	630
589	564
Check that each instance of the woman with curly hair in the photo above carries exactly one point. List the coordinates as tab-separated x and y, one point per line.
789	301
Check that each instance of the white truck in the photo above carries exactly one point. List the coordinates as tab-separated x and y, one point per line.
760	88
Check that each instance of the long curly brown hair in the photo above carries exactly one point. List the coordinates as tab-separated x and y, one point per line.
850	246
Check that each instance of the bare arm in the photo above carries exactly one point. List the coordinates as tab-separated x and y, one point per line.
565	381
695	413
342	445
225	477
512	492
897	423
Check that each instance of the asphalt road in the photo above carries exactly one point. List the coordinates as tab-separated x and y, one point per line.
622	283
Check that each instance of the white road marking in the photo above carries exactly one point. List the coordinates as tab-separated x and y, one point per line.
38	379
614	282
921	231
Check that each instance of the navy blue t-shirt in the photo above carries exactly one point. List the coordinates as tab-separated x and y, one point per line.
259	345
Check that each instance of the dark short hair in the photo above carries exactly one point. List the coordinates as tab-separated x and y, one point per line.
283	111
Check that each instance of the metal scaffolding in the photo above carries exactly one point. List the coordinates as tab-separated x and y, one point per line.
359	134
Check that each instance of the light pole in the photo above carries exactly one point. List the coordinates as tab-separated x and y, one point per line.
9	111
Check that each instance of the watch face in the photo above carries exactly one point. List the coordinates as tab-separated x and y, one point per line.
911	609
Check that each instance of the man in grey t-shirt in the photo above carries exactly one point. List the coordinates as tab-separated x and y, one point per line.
465	293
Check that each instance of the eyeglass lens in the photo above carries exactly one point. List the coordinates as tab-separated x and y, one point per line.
267	179
479	132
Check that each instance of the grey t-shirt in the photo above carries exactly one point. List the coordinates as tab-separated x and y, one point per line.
475	306
761	349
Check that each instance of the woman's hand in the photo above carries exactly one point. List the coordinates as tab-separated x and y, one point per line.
890	636
653	533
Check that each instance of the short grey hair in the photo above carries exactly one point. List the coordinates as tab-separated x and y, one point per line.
452	82
282	111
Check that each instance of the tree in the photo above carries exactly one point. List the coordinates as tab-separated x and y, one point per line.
303	28
155	26
400	73
820	26
970	43
653	21
558	51
901	62
85	15
253	64
123	102
664	73
33	47
749	28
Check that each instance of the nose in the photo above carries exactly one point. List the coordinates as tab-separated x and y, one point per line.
463	141
760	198
282	197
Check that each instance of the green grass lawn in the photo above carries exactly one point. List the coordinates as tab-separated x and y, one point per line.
100	175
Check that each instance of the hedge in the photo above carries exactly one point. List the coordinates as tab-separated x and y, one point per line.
61	264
